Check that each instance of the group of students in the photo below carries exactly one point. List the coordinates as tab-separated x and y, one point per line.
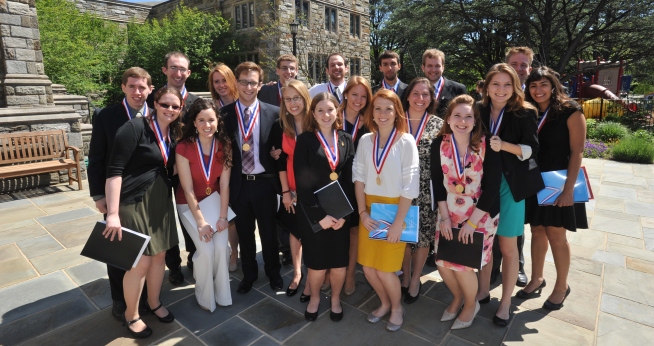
463	163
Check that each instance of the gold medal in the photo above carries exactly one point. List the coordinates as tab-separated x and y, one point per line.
459	188
378	180
246	147
333	176
208	190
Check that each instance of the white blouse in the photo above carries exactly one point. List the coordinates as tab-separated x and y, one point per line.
400	174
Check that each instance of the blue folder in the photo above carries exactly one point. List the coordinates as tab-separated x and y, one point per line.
554	182
385	215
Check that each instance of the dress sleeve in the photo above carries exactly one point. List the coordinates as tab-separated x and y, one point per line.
491	179
126	141
358	166
438	188
306	186
410	168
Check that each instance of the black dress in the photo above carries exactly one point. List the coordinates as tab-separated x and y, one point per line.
554	155
348	126
327	248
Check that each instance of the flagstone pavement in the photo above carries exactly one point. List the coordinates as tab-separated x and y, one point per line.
50	295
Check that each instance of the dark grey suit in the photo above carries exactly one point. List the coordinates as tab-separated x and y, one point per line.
400	89
270	94
451	89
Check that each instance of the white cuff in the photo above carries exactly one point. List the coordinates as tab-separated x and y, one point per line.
526	152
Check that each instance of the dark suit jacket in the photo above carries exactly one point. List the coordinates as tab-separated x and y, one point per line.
519	127
451	89
190	98
269	94
105	125
267	138
400	89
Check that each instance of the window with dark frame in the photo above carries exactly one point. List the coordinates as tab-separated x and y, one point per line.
302	12
254	57
244	16
330	19
316	64
355	25
355	67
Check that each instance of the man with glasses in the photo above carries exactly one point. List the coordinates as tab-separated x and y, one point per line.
286	70
254	181
336	70
176	69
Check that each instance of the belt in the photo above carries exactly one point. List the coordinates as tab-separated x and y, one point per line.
257	176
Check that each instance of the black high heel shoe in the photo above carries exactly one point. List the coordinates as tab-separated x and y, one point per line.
304	298
166	319
291	292
404	290
551	306
486	300
502	322
409	299
137	335
522	294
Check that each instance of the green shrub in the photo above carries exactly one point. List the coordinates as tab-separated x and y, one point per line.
634	149
644	134
612	117
608	131
591	124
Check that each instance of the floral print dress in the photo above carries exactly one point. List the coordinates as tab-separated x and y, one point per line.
461	204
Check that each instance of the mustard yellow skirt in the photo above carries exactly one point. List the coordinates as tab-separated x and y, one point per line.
379	254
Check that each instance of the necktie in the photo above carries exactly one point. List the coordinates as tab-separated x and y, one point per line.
248	156
337	94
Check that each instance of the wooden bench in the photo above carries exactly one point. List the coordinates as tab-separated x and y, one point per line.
29	153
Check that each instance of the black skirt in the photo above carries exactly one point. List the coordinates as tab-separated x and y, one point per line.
570	218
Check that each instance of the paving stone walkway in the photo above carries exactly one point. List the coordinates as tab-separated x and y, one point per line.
50	295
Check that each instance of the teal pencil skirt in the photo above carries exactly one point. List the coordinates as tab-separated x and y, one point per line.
512	213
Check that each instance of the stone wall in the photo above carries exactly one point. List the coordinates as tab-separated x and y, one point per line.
117	11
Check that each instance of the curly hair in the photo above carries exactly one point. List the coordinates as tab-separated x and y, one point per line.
190	131
477	131
176	125
558	100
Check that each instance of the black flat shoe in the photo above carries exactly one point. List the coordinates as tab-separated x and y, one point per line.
311	316
522	294
304	298
404	290
287	259
175	276
336	316
245	286
485	300
551	306
502	322
166	319
409	299
293	291
137	335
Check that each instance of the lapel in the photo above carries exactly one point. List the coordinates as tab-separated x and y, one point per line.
265	124
235	130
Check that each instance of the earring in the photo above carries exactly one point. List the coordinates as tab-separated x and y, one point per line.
196	131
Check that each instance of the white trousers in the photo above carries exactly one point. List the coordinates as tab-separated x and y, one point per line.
210	265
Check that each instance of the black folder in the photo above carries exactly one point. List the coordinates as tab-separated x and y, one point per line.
469	255
122	254
333	201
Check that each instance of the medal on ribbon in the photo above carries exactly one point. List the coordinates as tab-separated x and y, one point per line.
355	129
380	158
145	113
459	164
439	87
163	146
421	126
394	88
541	122
246	129
495	125
332	156
206	165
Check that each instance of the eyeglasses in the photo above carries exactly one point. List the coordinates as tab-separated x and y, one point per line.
166	106
292	99
287	69
247	83
180	69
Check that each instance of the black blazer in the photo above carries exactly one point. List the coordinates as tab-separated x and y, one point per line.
190	98
269	94
519	127
400	89
105	125
451	89
267	139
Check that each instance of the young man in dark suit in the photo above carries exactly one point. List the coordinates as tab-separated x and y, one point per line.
286	70
176	69
433	65
136	85
254	182
389	65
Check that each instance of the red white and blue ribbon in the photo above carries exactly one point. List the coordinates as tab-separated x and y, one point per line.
163	146
246	129
332	156
220	102
279	90
206	166
541	122
331	90
421	126
495	125
145	113
377	158
459	164
183	92
438	87
355	130
394	88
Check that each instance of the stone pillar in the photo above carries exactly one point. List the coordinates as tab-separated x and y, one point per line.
22	77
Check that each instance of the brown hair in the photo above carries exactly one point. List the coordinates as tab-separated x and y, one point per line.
351	83
517	100
389	54
287	57
433	102
310	123
287	120
247	67
175	54
558	99
517	50
400	119
190	132
176	125
136	72
333	55
477	131
229	77
432	54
